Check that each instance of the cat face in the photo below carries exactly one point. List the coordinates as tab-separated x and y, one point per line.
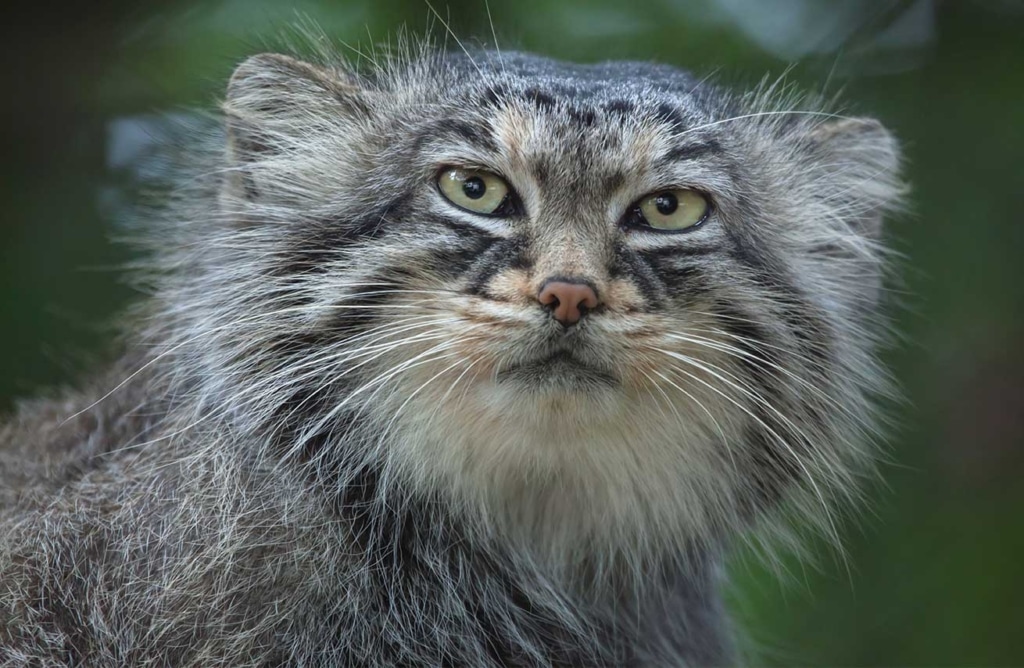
608	292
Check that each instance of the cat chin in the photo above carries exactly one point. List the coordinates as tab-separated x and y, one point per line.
566	467
556	375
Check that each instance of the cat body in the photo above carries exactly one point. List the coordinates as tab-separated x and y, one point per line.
364	420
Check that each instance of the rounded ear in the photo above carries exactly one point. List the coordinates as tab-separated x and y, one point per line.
275	102
272	85
849	177
866	138
864	159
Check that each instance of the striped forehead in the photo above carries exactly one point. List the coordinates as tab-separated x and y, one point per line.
575	147
592	146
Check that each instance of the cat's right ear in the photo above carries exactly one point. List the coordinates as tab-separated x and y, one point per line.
276	105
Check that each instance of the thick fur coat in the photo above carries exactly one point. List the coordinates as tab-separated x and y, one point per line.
345	431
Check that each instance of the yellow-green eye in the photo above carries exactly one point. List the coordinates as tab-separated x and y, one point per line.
473	189
674	210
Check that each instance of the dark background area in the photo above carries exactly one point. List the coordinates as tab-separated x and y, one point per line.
933	571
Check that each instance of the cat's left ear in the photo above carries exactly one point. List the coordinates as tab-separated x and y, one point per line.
273	97
292	126
862	159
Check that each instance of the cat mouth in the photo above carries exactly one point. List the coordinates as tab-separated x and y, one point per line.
561	367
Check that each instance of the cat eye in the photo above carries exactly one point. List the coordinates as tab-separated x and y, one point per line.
475	190
672	210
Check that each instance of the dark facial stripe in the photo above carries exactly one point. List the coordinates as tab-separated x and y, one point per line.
685	282
504	254
581	116
620	107
677	270
682	250
751	255
691	152
495	96
476	134
628	264
455	260
804	319
309	245
753	340
541	99
669	115
773	466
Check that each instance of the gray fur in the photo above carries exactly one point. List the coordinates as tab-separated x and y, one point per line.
329	441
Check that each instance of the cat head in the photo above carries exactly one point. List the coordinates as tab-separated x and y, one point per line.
600	304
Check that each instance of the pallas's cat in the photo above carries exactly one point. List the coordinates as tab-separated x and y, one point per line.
459	361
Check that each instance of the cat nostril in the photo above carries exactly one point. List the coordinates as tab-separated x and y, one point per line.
568	300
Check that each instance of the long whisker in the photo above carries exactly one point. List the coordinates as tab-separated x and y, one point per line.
432	354
412	395
775	435
714	421
286	377
451	32
494	35
187	341
802	382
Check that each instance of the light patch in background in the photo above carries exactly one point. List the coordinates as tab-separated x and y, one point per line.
143	154
792	29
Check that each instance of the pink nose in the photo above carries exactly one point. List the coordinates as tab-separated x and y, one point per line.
568	300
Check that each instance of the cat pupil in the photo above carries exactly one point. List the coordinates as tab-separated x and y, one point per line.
666	204
474	188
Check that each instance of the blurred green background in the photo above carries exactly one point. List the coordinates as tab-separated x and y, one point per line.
935	570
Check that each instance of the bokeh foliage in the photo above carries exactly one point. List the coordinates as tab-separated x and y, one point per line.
932	573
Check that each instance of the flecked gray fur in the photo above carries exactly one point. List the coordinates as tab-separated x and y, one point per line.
333	438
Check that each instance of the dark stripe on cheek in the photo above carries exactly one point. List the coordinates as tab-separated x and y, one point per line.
373	225
684	282
753	340
627	264
453	261
803	318
746	252
308	246
502	255
367	305
673	252
682	278
807	323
